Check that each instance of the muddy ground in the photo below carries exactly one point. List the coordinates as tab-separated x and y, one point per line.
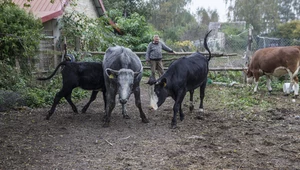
264	136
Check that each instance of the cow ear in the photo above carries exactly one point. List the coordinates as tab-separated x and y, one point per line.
111	73
163	82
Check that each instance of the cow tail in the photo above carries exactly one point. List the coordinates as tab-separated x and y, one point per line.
46	78
206	46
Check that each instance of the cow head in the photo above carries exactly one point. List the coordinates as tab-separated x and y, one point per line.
160	93
125	80
249	75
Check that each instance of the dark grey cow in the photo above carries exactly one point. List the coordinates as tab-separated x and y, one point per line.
183	75
123	72
87	75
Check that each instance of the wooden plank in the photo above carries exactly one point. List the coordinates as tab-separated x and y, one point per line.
177	53
213	68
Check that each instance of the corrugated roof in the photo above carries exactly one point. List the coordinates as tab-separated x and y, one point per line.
44	9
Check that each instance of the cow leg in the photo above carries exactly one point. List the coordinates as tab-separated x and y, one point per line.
296	86
256	79
124	112
202	95
68	98
269	84
181	114
138	103
296	90
191	107
179	98
104	98
62	93
92	98
110	105
57	98
255	86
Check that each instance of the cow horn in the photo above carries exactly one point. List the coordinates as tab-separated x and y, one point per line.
151	80
136	73
110	72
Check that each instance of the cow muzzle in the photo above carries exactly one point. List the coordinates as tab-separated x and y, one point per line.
153	98
123	101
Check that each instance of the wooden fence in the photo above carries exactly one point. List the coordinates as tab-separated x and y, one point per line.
180	54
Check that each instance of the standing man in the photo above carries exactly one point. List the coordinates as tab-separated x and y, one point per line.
154	55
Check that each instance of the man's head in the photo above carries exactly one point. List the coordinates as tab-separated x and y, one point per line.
155	38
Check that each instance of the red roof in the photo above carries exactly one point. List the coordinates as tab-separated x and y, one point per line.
44	9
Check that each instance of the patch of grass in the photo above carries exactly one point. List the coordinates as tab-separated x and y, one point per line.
231	98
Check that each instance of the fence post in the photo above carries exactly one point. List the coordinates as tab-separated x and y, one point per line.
77	44
249	48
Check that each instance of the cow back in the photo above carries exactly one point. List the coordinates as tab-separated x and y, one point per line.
190	72
269	59
88	75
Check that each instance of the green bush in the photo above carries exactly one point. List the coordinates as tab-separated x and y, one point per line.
43	94
20	35
10	100
8	77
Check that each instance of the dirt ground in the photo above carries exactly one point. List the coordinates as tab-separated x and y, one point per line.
224	137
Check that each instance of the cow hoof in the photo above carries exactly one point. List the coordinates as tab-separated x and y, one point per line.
48	117
75	110
126	117
106	124
83	110
200	117
201	110
182	117
191	108
104	118
173	126
145	120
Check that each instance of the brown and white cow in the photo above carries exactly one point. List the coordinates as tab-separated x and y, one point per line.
275	61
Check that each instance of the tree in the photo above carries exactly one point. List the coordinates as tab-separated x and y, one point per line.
263	15
127	7
206	16
137	32
97	35
290	30
289	10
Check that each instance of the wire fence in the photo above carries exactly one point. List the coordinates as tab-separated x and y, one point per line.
240	43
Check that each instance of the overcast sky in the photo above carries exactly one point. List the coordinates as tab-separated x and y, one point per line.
219	5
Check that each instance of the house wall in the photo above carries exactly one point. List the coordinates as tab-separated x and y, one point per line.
83	6
53	41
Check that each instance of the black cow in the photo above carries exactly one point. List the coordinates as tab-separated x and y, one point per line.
87	75
123	72
183	75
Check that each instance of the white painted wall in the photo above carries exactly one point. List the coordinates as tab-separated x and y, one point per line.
83	6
